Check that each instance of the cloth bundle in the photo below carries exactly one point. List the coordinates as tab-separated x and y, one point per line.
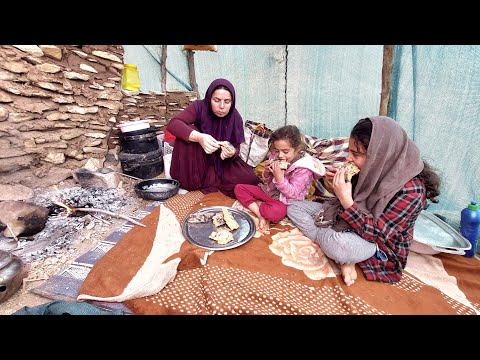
254	150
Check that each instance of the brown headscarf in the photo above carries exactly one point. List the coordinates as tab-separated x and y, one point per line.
392	160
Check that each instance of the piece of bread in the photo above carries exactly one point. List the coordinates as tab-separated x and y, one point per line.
218	219
222	236
350	170
226	145
283	164
229	219
201	218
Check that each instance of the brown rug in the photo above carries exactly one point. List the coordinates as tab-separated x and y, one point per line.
154	270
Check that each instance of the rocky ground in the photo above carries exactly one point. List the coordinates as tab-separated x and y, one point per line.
40	268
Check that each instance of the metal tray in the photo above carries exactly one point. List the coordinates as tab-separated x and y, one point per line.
432	231
198	233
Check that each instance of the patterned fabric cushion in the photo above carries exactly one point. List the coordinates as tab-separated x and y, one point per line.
329	151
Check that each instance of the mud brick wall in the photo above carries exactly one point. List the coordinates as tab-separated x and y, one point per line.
59	105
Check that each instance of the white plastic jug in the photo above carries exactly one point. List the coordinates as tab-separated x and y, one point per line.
167	160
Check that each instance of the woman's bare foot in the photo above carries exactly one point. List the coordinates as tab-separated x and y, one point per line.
349	273
264	224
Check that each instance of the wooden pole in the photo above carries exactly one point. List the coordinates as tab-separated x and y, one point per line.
386	79
164	69
191	71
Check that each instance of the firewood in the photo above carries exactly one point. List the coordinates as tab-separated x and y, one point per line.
109	213
11	231
71	210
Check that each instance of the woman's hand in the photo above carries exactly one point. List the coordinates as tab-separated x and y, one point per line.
227	152
208	142
342	188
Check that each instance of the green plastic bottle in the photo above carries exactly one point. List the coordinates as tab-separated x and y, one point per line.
130	79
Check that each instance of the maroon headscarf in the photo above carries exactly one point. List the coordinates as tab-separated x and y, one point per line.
227	128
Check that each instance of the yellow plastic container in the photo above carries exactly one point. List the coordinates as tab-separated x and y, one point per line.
130	79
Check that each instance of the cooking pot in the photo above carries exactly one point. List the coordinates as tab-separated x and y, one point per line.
157	189
143	166
12	272
139	142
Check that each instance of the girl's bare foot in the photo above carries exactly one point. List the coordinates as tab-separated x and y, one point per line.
255	208
264	224
349	273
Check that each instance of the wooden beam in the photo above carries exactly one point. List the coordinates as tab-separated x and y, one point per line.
164	69
200	47
191	71
386	79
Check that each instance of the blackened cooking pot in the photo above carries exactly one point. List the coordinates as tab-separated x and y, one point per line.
139	141
157	189
143	166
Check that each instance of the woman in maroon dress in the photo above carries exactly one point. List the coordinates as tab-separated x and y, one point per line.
198	161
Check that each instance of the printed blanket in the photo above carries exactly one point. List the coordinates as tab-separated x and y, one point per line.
154	270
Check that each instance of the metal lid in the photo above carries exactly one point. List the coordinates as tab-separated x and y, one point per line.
431	230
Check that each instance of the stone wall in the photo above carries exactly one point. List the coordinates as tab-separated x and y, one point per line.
59	105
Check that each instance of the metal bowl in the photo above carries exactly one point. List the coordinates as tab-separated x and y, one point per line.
157	189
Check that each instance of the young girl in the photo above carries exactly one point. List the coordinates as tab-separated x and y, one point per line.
268	201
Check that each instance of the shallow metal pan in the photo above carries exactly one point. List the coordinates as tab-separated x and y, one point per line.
431	230
198	233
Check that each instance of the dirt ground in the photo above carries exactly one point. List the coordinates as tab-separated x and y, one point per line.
39	271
